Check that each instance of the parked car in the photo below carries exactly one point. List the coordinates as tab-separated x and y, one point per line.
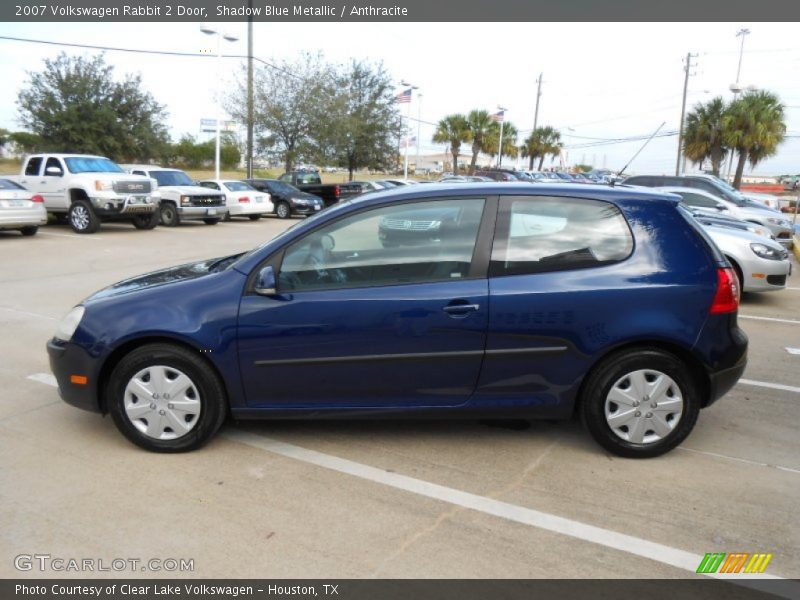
86	190
288	200
241	199
181	198
769	200
20	209
708	218
761	265
777	224
372	186
386	183
538	301
499	174
311	183
401	182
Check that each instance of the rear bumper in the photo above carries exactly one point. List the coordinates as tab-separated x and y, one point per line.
22	218
726	345
202	212
66	360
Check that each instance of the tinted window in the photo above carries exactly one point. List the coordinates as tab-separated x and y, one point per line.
210	185
536	235
237	186
400	244
6	184
698	200
32	168
166	178
53	163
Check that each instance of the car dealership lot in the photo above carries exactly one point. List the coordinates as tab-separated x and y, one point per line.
384	498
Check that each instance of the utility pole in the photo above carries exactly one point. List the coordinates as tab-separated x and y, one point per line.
536	111
687	68
419	123
250	91
736	89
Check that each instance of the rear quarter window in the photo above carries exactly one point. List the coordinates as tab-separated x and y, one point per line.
545	234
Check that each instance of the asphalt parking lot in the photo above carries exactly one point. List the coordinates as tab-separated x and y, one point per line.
444	499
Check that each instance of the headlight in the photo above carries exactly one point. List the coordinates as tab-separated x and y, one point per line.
69	324
778	222
300	201
185	199
765	251
103	186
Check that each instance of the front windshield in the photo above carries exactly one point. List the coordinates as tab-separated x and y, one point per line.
171	178
90	164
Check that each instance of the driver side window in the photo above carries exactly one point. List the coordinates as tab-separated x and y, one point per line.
400	244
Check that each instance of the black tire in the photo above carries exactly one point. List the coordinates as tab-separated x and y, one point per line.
169	215
254	217
28	231
82	218
610	372
283	210
210	221
149	221
209	390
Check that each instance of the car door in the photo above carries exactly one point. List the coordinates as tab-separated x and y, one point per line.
52	184
365	318
551	296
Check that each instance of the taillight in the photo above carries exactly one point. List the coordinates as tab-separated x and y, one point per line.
336	191
37	198
726	299
244	200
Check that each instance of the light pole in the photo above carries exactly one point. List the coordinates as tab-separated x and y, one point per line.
208	30
735	88
408	125
502	115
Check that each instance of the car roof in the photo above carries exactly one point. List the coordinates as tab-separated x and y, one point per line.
698	191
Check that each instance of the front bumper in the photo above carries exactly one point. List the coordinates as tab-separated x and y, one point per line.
66	360
124	206
202	212
762	275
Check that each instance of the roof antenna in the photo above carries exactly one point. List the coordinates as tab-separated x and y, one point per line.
642	148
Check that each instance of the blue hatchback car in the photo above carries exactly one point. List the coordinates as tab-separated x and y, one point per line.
469	300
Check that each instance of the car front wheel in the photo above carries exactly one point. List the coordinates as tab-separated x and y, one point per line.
82	218
165	398
169	214
640	403
283	211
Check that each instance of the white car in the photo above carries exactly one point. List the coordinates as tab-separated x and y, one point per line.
242	199
19	209
769	200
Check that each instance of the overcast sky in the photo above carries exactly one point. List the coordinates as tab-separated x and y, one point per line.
600	80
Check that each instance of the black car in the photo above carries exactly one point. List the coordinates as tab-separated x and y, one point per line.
288	200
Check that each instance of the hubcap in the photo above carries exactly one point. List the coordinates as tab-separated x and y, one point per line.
657	392
162	402
283	211
80	217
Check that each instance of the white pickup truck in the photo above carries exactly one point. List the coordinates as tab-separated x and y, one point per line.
86	190
181	198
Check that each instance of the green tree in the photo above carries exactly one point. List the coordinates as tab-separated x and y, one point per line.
754	127
75	105
26	142
542	142
509	146
481	129
289	101
704	133
453	130
360	125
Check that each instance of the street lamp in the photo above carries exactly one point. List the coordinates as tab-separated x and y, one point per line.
208	30
502	115
736	88
408	126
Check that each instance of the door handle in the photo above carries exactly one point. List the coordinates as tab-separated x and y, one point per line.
460	309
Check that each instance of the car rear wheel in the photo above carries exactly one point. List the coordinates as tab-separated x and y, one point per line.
169	215
640	403
149	221
283	210
82	218
27	231
165	398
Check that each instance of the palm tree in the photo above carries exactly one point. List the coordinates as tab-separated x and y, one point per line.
703	134
481	127
453	130
754	127
492	140
542	142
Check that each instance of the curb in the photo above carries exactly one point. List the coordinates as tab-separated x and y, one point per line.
796	246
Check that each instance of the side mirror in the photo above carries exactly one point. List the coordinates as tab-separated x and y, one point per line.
54	171
265	282
721	207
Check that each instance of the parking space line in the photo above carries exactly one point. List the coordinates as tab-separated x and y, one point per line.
772	386
755	318
741	460
793	350
667	555
68	235
28	313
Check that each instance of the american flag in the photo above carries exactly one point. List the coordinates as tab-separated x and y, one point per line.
404	96
498	116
